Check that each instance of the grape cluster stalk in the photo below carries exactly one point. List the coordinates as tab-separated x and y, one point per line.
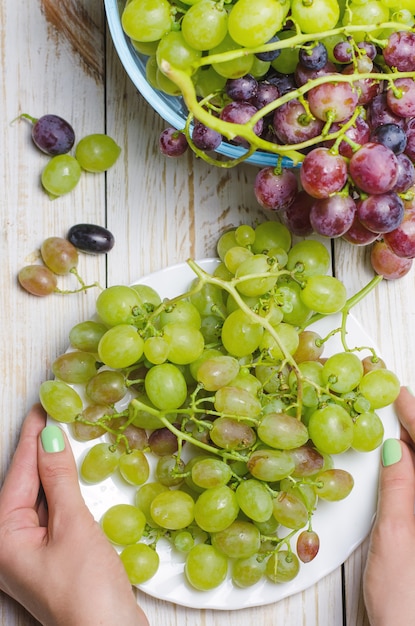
220	410
321	84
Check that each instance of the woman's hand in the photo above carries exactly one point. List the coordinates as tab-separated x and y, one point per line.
54	558
389	579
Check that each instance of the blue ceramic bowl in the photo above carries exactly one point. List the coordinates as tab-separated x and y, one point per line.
170	108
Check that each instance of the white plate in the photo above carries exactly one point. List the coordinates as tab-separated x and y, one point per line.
342	526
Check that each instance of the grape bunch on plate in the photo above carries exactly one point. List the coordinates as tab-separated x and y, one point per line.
221	409
325	84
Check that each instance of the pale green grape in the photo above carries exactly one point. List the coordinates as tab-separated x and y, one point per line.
282	431
145	496
226	242
183	540
144	418
293	309
309	258
333	484
324	294
342	372
244	235
146	20
235	68
253	22
235	256
290	510
282	566
208	300
269	235
241	539
217	371
331	429
174	49
368	432
97	152
256	264
140	561
287	61
205	567
270	465
254	499
371	12
232	434
99	463
156	350
60	401
236	401
183	312
205	25
240	335
134	467
106	387
208	473
75	367
61	174
116	305
287	342
317	16
381	387
123	524
216	508
148	298
121	346
172	509
85	336
169	470
185	342
247	572
166	386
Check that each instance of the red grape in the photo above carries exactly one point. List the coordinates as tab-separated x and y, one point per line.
386	263
374	168
323	173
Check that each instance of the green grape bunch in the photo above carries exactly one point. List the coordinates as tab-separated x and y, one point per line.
220	411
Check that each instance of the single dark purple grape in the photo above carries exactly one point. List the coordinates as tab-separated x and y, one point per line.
369	48
271	55
52	134
172	142
343	52
406	174
91	238
313	56
241	89
390	135
284	82
266	94
205	138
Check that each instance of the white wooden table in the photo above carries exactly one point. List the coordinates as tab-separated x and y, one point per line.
57	57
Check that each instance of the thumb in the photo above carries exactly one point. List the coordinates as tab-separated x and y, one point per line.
397	483
59	476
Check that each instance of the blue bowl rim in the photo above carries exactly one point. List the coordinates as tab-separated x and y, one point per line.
161	103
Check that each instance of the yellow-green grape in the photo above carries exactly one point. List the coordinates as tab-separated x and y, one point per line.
282	431
140	561
289	510
368	431
166	386
174	49
208	473
85	336
381	387
235	68
97	152
60	175
269	235
75	367
145	496
333	484
241	539
270	465
248	572
205	25
282	566
205	567
317	16
123	524
117	305
287	342
99	463
331	429
185	342
60	400
324	294
216	508
342	372
121	346
172	509
134	467
253	22
254	499
256	264
146	20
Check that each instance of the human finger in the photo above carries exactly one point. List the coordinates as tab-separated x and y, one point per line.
396	483
21	486
405	409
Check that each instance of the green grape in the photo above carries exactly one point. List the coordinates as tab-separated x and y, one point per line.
185	342
208	473
309	258
256	264
254	499
85	336
205	567
165	84
116	305
216	508
145	47
174	49
152	71
172	509
342	372
331	429
290	510
235	256
282	566
324	294
241	539
99	463
244	235
205	25
226	242
134	467
269	235
208	300
232	434
270	465
240	335
311	373
288	340
60	401
59	255
317	16
145	496
218	371
37	280
293	309
206	355
282	431
127	437
247	572
372	12
287	60
146	20
208	81
259	68
166	386
123	524
237	401
148	298
121	346
368	432
305	492
93	414
211	329
247	381
253	22
235	68
156	350
75	367
381	387
146	419
183	541
140	561
310	347
169	470
97	152
183	312
106	387
333	484
60	175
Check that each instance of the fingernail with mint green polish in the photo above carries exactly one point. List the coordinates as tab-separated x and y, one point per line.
410	390
52	439
391	452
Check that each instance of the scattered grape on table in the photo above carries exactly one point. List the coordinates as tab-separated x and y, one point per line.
221	409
